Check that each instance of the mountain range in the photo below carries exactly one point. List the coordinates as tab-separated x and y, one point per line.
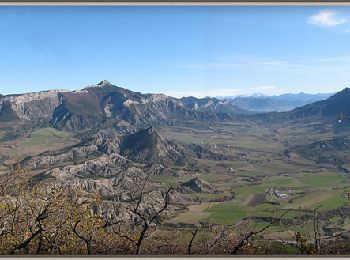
101	103
107	104
326	110
285	102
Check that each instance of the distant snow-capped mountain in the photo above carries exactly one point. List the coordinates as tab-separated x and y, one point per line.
261	103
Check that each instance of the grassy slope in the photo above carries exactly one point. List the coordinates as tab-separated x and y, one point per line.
41	140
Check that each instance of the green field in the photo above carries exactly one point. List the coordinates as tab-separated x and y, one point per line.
44	139
45	136
322	179
226	213
312	186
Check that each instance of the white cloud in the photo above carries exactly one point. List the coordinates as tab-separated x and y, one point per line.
226	92
233	65
267	87
267	90
263	63
205	93
327	18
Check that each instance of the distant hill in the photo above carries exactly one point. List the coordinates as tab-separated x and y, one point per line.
285	102
331	151
329	109
337	104
147	146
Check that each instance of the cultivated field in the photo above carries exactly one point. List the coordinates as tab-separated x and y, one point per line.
305	184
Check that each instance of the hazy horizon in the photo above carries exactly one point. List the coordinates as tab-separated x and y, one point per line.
177	50
179	96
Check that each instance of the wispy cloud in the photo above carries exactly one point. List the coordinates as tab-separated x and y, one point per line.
264	75
327	18
267	87
206	93
259	63
221	65
266	90
225	92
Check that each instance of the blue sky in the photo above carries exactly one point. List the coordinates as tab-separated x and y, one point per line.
179	51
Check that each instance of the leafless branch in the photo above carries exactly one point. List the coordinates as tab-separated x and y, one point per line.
194	233
252	233
86	240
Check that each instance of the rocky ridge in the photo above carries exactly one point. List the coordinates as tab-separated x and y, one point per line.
96	104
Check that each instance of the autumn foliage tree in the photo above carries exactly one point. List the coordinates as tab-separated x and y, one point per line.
35	219
38	218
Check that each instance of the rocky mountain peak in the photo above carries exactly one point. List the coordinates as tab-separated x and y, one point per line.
104	83
101	84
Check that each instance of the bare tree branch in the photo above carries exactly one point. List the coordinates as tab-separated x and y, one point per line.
147	222
194	233
252	233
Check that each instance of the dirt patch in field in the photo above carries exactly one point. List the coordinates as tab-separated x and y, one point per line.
256	200
194	214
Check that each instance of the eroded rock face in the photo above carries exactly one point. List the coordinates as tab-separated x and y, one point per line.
109	175
198	185
147	146
160	169
109	146
32	106
111	178
103	166
104	142
107	141
116	165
